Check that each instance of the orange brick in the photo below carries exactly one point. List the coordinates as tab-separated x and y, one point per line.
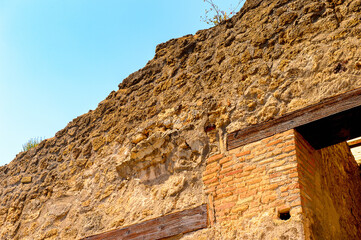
296	203
238	165
241	184
222	185
289	148
292	198
294	186
245	174
251	193
269	198
274	175
229	189
248	157
274	142
295	191
222	195
243	153
273	186
254	186
285	167
285	155
226	159
266	140
270	149
259	169
213	169
258	158
249	168
284	188
228	164
291	171
215	184
225	206
284	194
210	190
241	190
253	181
211	165
280	180
235	181
212	180
232	198
225	170
235	151
290	142
226	179
284	208
234	172
270	154
277	151
268	187
209	176
214	158
276	203
266	161
277	164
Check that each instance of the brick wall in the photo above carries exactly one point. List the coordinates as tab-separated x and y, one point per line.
254	181
330	190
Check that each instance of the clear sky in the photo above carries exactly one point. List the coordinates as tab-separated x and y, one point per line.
60	58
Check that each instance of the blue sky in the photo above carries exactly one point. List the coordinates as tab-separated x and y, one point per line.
60	58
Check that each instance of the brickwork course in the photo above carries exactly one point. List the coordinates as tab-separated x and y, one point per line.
158	145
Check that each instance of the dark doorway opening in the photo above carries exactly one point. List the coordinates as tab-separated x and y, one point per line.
329	175
334	129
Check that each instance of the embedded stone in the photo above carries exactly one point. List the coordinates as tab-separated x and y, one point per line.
27	179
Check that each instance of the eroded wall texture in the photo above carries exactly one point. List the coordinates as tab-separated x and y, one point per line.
141	153
330	183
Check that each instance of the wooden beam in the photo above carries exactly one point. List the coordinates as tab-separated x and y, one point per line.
325	108
355	142
163	227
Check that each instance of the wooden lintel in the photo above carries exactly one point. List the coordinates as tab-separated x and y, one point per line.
355	143
159	228
325	108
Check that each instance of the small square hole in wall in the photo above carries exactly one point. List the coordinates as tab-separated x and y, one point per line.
284	214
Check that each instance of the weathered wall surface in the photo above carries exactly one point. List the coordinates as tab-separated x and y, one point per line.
249	187
142	152
331	191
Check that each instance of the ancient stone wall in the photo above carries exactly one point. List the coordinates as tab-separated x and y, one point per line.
141	153
330	183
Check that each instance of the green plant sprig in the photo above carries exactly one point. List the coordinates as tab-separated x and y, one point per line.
33	142
219	15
